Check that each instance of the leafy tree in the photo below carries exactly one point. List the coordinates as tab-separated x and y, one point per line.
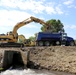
32	38
53	25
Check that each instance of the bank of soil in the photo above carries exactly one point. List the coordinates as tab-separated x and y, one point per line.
59	58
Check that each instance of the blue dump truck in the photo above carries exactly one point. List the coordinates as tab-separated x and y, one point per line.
47	39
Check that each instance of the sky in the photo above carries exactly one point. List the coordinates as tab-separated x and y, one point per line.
15	11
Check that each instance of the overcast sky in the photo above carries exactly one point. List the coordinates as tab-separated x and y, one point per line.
14	11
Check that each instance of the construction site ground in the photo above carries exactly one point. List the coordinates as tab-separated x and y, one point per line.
57	58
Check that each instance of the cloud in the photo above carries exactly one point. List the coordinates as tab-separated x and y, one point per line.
50	10
71	30
10	18
32	5
70	27
5	29
68	2
9	3
58	9
73	27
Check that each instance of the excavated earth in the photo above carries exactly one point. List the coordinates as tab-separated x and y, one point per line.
59	58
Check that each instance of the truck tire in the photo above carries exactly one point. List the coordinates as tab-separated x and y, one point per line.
40	43
57	42
47	43
72	43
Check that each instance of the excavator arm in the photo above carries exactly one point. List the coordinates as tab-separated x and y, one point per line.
37	20
25	22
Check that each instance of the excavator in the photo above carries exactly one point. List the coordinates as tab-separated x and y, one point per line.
10	39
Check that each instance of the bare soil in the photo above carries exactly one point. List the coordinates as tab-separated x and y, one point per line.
59	58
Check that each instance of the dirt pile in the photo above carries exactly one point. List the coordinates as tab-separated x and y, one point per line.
59	58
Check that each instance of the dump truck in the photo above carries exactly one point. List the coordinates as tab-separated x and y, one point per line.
47	39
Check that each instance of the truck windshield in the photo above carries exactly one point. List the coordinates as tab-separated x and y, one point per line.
64	34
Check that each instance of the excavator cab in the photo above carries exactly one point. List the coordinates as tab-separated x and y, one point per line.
9	33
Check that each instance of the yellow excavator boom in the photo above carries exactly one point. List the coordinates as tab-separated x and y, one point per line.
27	21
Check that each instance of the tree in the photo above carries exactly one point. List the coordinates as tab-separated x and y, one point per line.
32	38
53	25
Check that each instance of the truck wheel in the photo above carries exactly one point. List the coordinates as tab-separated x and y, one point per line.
72	43
40	43
57	42
47	43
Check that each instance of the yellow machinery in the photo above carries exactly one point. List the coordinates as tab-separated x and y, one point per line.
10	39
21	39
29	43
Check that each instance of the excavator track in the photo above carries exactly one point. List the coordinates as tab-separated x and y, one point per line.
11	45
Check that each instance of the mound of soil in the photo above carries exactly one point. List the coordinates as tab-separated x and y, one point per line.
59	58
